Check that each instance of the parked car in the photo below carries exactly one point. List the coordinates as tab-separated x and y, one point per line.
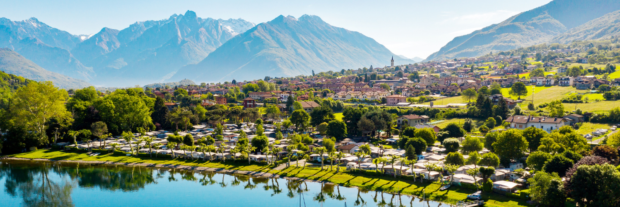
587	136
475	196
445	187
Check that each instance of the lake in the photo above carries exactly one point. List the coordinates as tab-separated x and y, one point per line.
28	183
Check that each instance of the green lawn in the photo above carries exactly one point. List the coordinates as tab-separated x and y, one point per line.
338	116
614	75
535	90
449	100
588	128
365	181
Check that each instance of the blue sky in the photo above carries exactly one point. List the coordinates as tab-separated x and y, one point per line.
412	28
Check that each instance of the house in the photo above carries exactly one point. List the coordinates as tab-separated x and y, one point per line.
393	100
565	81
260	95
583	84
504	186
546	123
220	100
249	103
615	82
413	119
574	118
347	148
562	69
309	105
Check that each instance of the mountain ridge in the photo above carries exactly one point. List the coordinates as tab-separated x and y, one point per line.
286	46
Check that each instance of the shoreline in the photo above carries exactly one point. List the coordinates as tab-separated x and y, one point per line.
178	167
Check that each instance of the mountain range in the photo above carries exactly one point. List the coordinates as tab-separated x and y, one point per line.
13	63
543	24
287	46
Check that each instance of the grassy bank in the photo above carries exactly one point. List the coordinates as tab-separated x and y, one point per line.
365	181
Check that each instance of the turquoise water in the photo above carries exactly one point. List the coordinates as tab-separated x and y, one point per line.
53	184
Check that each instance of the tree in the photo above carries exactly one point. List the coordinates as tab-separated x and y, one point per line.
518	89
337	129
537	73
451	144
100	130
473	159
125	110
409	131
260	142
418	144
548	145
128	137
538	159
510	144
539	186
468	125
489	159
614	140
556	109
472	144
322	128
487	172
300	118
558	164
605	151
34	105
469	94
188	140
455	158
489	139
321	114
320	151
427	134
490	122
473	172
533	136
595	185
410	153
453	130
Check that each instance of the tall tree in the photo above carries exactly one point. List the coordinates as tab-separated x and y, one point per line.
518	89
510	144
35	104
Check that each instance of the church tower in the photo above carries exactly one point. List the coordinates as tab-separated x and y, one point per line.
392	61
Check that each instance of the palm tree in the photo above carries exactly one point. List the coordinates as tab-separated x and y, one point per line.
300	154
383	162
210	149
403	161
114	146
393	159
222	149
276	151
376	161
171	146
203	149
248	149
138	142
290	150
320	151
339	155
157	146
127	136
332	156
266	151
412	162
192	150
74	134
148	140
359	155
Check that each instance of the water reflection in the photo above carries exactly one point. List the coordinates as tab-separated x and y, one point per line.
52	184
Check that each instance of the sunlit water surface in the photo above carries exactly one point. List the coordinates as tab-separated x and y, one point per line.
53	184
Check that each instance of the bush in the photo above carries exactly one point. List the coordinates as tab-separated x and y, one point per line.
487	186
451	144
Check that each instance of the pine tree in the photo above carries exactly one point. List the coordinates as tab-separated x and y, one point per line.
410	153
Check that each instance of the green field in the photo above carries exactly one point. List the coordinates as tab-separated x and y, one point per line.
449	100
365	181
535	90
338	116
588	128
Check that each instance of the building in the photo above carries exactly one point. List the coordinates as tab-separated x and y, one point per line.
546	123
413	119
392	65
565	81
220	100
249	103
393	100
309	105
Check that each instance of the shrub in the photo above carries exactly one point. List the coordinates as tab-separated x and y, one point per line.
451	144
487	186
